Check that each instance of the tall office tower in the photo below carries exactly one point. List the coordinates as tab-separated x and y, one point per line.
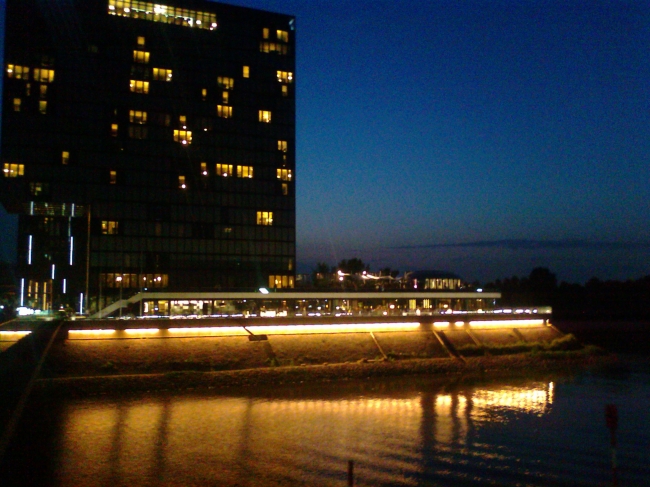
148	146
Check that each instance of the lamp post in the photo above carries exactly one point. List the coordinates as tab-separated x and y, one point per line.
119	279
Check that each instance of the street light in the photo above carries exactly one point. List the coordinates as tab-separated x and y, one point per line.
119	279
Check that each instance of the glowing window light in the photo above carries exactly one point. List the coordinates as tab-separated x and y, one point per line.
500	323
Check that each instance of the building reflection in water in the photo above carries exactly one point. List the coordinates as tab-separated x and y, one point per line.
245	440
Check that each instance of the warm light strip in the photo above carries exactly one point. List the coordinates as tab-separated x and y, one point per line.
332	328
500	323
141	331
441	324
214	331
12	336
81	334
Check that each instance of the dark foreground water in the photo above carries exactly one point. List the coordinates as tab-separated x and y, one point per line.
414	431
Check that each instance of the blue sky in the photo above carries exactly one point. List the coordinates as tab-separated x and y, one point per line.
480	137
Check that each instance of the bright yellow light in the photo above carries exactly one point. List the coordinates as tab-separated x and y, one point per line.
88	334
506	323
12	336
215	331
441	324
142	331
332	328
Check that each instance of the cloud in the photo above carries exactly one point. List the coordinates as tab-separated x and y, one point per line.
522	244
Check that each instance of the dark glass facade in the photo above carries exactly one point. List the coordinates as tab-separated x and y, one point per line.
148	146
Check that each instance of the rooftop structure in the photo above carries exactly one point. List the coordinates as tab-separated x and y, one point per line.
148	146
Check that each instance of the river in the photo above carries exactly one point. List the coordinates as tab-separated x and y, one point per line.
418	431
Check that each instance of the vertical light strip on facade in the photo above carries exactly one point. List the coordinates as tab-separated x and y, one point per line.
71	248
29	251
22	292
53	269
81	303
65	286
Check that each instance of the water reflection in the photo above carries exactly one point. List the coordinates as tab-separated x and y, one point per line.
270	440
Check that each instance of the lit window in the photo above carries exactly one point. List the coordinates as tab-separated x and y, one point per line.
65	157
42	106
183	136
244	171
162	13
224	112
225	82
109	227
285	90
265	218
279	282
17	72
113	179
285	189
141	57
28	89
160	74
204	168
139	86
265	116
246	72
181	182
137	132
182	120
282	145
285	77
141	41
282	35
43	75
265	33
43	90
38	188
137	116
17	103
273	47
13	170
114	129
204	94
284	174
224	170
225	97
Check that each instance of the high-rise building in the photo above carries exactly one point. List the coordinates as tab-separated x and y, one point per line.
148	145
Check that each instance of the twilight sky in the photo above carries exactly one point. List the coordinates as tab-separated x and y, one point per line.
481	137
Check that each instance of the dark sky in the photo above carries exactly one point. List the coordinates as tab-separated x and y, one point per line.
480	137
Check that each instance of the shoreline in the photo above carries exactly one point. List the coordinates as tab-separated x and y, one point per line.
474	368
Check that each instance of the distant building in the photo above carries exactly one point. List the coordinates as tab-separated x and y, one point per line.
433	281
148	146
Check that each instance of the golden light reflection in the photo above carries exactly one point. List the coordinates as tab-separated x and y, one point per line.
529	400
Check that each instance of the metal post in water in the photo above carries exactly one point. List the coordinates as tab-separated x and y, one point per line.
611	419
350	473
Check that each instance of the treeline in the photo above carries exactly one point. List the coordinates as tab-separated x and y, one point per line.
595	299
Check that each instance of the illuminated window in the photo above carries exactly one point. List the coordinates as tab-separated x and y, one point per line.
65	157
204	94
225	97
282	35
244	171
139	86
285	90
224	170
282	145
43	75
38	188
17	72
225	82
137	132
42	106
109	227
160	74
141	57
285	77
265	33
265	218
279	282
13	170
285	189
141	41
28	89
273	47
43	91
17	103
265	116
204	168
246	72
113	178
284	174
182	120
183	136
224	112
155	12
181	182
137	116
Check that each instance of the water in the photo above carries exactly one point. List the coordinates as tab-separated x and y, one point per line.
409	432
